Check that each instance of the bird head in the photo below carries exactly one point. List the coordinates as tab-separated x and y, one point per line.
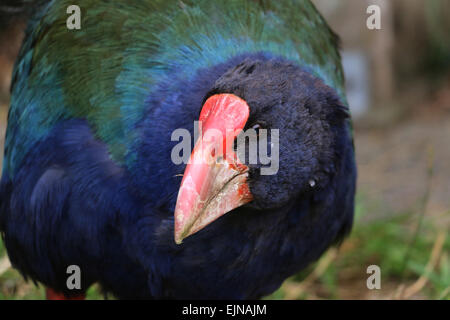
293	117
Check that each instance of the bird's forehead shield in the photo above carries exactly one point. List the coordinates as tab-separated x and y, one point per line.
214	181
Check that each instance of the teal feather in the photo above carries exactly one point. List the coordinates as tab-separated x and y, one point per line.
106	71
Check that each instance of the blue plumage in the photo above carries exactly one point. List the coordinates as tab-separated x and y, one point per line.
76	195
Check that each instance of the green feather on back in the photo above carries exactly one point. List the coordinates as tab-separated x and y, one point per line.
105	72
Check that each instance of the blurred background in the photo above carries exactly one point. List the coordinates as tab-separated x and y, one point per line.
398	87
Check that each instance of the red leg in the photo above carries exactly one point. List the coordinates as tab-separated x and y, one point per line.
54	295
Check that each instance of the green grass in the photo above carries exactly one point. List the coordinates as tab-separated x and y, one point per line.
388	243
2	249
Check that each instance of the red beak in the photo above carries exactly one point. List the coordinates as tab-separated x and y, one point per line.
214	181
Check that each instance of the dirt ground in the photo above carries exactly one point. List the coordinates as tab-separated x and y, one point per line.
398	165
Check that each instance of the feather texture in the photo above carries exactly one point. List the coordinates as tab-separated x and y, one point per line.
87	175
106	71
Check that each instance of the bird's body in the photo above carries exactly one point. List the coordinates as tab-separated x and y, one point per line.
88	178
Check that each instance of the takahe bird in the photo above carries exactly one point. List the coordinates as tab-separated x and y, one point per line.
88	177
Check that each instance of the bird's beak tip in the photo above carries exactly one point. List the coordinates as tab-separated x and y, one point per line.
210	189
